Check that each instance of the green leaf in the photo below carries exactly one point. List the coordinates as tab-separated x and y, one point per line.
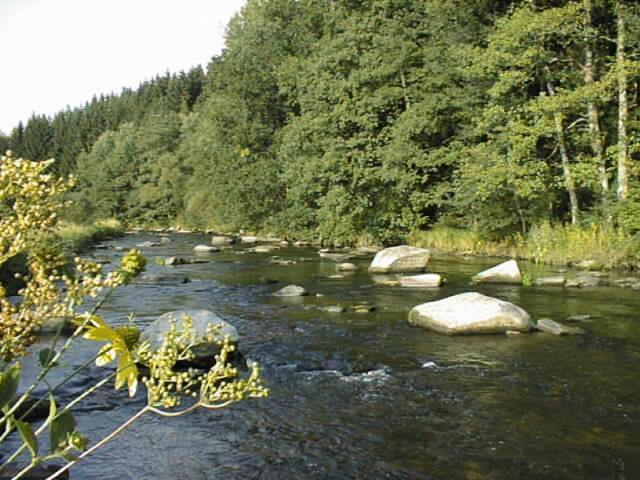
45	356
9	381
28	437
61	427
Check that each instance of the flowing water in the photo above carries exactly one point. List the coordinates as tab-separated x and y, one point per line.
365	395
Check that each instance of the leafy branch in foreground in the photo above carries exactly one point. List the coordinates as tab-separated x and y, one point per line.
55	289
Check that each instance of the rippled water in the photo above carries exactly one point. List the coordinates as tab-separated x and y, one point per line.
367	395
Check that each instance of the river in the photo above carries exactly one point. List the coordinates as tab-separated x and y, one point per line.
367	396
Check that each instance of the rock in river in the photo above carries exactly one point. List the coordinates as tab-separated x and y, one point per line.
400	259
470	313
347	267
432	280
554	281
291	291
222	240
205	249
507	272
203	349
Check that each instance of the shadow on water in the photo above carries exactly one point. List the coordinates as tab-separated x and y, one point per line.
364	395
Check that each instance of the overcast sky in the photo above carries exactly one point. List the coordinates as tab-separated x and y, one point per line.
60	52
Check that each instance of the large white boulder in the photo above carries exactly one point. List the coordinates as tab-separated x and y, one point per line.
470	313
431	280
203	348
400	259
507	272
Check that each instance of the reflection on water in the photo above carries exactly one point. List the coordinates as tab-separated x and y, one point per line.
367	396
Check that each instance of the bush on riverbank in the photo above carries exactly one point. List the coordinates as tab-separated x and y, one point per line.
547	243
75	238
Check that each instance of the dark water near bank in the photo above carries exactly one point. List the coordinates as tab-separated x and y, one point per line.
366	395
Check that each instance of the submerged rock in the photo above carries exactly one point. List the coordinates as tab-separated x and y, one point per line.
431	280
334	309
336	256
291	291
400	259
470	313
579	318
507	272
364	308
265	248
51	326
586	281
555	328
148	244
204	348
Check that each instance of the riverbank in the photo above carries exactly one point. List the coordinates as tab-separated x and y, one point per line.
546	244
77	238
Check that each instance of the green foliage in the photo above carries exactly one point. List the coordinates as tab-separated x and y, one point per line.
545	243
76	238
344	121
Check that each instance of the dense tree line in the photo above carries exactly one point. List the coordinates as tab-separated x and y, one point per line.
363	120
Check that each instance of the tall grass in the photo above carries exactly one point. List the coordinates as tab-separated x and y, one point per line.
545	243
76	238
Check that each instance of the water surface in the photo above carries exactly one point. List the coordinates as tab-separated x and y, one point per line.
366	395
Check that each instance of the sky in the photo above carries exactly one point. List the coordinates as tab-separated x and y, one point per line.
59	53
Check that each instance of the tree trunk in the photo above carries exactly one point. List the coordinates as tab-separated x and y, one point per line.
593	111
623	109
569	181
403	82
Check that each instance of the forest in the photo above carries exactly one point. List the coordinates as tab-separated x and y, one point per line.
363	121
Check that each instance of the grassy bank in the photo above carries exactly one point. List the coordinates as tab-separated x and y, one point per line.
76	238
550	244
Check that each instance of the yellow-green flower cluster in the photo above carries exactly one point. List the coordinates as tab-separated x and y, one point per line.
31	200
167	385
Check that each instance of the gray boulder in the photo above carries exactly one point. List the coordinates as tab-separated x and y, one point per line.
203	348
51	325
594	265
554	281
470	313
555	328
173	261
248	239
347	267
291	291
218	240
400	259
265	248
507	272
431	280
205	249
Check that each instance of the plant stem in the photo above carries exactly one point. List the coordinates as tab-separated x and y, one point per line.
102	442
48	422
56	357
